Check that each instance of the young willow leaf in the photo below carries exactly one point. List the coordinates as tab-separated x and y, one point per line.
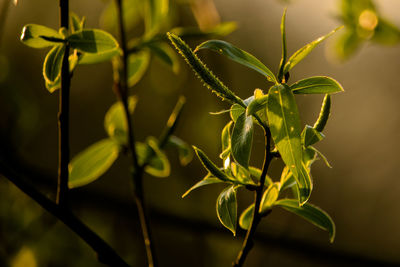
94	58
226	137
316	85
137	66
321	156
93	41
256	105
242	139
237	55
287	179
52	63
284	48
247	217
156	11
311	213
76	23
310	136
185	152
115	122
38	36
227	208
209	179
222	29
256	173
91	163
300	54
324	114
269	197
159	165
210	166
210	80
284	122
166	54
235	111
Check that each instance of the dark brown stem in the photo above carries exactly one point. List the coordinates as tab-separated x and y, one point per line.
248	241
105	253
63	115
137	171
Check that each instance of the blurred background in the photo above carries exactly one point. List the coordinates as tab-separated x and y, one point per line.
361	191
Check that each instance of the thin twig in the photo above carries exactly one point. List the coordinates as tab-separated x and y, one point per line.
137	171
248	241
105	253
63	115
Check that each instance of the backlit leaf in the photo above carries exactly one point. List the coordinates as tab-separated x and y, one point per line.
256	105
184	150
311	213
159	165
316	85
300	54
324	114
166	54
52	63
284	48
91	163
227	208
137	66
238	55
284	122
311	136
34	35
93	58
222	29
210	166
242	139
247	217
209	179
93	41
269	197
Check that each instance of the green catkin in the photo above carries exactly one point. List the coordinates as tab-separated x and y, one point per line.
202	72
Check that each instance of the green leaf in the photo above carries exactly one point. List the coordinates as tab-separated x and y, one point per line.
184	150
226	136
76	23
386	33
347	44
227	208
300	54
241	175
316	85
237	55
52	63
284	122
172	121
131	14
94	58
247	217
321	156
311	213
91	163
38	36
137	66
159	164
242	139
223	29
209	179
256	105
235	111
155	14
324	114
310	136
93	41
269	197
256	173
210	166
284	48
287	179
115	122
166	54
211	81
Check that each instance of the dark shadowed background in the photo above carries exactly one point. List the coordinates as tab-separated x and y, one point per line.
361	191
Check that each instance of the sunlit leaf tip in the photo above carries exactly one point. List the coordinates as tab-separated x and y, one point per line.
227	208
202	72
324	114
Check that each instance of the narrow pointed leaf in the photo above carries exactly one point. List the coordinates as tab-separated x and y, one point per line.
284	122
269	197
159	165
75	22
246	217
321	156
226	136
93	41
311	213
316	85
210	166
209	179
284	48
324	114
52	63
166	54
238	55
227	208
210	80
38	36
185	152
300	54
91	163
242	140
